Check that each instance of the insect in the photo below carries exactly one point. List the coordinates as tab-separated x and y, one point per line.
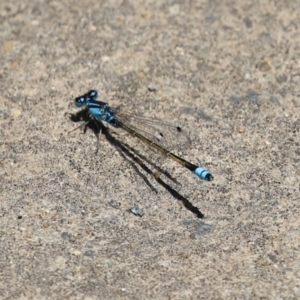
155	133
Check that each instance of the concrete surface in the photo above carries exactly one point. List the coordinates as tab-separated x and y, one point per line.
228	72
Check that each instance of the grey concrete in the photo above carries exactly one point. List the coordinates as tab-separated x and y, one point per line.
228	72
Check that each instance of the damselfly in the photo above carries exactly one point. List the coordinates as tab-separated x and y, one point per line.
154	133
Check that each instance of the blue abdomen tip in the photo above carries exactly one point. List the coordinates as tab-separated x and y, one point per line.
203	174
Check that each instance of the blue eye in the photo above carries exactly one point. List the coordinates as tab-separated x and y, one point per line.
79	101
93	94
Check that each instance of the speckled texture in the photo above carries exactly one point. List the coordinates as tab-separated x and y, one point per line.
228	71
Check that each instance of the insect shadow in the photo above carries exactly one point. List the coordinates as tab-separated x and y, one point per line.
133	157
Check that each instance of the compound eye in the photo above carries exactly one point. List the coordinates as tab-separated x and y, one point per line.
79	101
93	94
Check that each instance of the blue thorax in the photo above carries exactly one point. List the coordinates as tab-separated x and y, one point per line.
97	109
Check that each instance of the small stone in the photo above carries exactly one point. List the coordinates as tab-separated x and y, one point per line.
137	211
264	65
152	87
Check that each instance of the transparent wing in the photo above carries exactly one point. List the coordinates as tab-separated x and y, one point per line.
167	135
